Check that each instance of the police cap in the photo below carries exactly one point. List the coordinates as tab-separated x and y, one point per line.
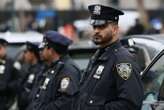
55	40
100	14
3	42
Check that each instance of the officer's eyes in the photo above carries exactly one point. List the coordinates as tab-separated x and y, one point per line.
100	27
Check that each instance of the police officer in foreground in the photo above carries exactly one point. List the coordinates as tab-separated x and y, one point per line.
111	80
8	77
61	80
26	82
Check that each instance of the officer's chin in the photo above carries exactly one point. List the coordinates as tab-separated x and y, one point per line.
96	41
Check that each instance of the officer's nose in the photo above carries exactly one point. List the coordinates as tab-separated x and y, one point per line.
96	30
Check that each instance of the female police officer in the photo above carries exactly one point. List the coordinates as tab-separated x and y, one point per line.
111	81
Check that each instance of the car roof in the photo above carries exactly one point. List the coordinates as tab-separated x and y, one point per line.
156	37
22	37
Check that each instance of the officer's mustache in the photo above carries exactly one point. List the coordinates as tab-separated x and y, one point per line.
96	35
96	38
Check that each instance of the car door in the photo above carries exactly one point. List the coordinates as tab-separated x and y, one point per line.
153	81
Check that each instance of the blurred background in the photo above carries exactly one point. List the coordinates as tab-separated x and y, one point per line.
26	20
71	17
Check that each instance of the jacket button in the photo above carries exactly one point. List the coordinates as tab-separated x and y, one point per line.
52	72
91	101
37	95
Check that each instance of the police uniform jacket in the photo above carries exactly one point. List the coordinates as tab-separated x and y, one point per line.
58	88
26	84
111	81
8	82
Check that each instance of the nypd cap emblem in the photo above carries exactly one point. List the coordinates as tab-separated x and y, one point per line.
124	70
97	10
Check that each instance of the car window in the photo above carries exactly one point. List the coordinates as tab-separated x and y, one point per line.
152	80
153	86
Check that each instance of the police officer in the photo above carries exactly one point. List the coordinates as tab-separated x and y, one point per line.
26	82
8	77
61	80
111	80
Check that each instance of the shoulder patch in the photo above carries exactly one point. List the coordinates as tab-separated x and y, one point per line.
124	70
64	83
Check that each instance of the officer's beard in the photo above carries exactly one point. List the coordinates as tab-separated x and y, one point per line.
102	40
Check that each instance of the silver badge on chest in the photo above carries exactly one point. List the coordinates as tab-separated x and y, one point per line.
99	71
2	69
46	81
31	78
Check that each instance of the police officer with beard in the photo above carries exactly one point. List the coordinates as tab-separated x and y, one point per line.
26	82
60	83
8	77
111	80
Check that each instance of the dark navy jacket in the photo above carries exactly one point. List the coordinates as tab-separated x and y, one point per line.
51	93
8	82
26	84
111	81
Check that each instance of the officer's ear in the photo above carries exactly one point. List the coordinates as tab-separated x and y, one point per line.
115	29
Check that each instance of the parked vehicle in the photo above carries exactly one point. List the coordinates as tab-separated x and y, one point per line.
153	80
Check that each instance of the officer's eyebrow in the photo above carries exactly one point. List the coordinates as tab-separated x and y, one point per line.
100	26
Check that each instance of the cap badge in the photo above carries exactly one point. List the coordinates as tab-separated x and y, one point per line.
97	10
115	17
